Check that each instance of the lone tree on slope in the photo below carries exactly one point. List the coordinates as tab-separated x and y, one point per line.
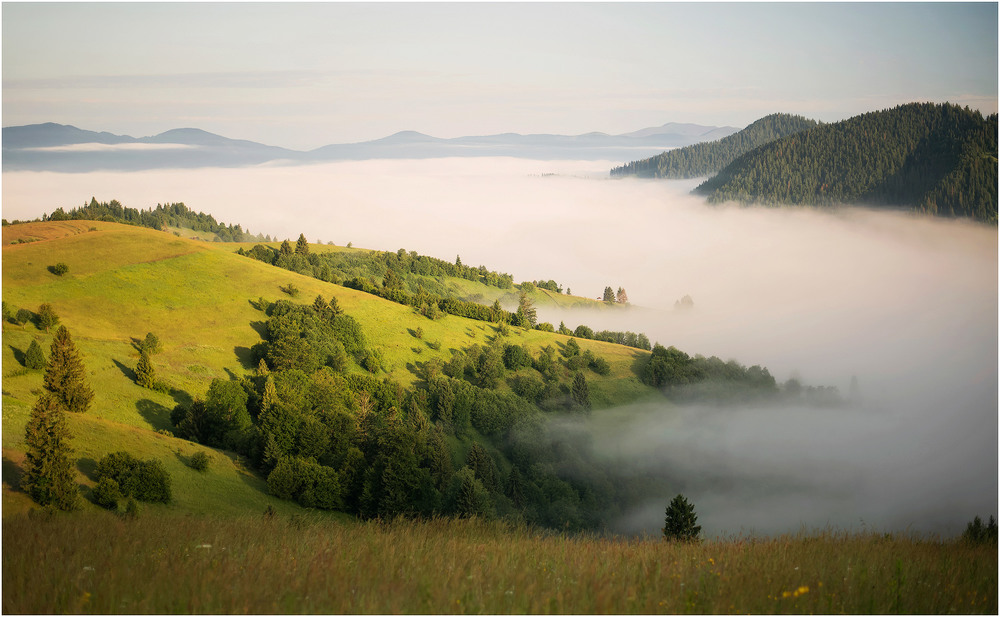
48	474
65	375
680	521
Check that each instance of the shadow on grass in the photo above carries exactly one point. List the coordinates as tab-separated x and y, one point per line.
260	328
18	355
12	474
154	413
87	467
181	397
245	356
127	371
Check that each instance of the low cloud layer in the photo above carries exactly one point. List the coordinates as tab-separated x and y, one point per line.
907	305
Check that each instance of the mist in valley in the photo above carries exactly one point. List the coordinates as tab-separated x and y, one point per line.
905	306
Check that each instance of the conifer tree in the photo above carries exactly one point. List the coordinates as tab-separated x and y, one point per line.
34	358
581	391
48	474
526	308
286	248
302	246
609	294
145	373
65	376
680	520
621	297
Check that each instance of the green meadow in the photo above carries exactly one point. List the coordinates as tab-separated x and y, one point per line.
214	550
100	563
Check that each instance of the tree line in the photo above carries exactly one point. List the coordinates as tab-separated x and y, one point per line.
163	215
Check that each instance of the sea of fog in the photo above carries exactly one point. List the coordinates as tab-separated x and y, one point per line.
905	305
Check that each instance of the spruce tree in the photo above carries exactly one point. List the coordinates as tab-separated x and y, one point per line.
65	376
48	474
34	358
526	308
302	246
145	373
680	520
581	391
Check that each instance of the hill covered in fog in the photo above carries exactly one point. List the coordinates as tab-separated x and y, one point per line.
934	158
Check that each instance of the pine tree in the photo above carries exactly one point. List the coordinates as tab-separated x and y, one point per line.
680	520
609	294
145	373
286	248
48	474
581	391
526	308
34	358
302	246
65	375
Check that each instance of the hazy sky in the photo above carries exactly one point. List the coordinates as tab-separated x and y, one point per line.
302	75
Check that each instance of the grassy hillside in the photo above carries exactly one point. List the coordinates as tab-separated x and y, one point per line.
197	297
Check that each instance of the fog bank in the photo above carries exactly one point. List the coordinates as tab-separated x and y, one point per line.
906	304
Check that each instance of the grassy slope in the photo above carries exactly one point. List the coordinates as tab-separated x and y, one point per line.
195	296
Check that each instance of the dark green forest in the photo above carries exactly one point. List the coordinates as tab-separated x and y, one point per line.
706	158
933	158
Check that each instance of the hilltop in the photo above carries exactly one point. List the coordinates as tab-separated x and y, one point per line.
708	157
934	158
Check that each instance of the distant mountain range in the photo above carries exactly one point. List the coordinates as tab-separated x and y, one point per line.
59	147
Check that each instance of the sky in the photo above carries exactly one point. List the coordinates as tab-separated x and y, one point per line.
303	75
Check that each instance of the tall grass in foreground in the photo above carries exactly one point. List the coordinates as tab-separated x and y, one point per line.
99	563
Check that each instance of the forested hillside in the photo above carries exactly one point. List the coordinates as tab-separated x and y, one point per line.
243	385
707	158
938	159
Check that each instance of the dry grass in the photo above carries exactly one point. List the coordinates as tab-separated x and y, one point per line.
98	563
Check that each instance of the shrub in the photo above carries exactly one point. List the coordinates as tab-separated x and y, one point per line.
371	360
59	269
600	366
199	461
150	482
143	480
107	493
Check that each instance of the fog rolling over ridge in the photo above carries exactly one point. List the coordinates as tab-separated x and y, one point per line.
907	305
